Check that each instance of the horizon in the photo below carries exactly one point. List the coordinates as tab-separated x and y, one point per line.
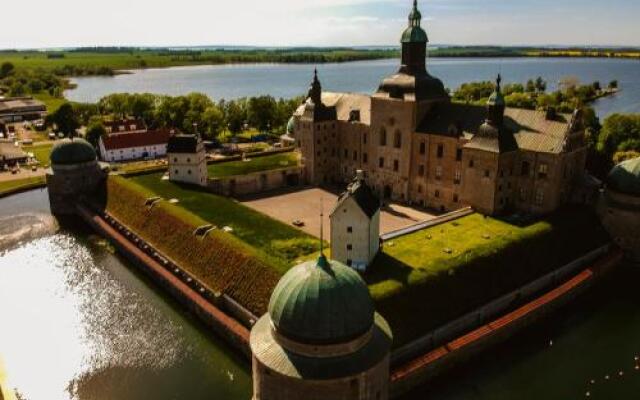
335	23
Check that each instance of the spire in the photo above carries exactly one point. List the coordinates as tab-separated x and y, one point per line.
415	16
322	260
315	90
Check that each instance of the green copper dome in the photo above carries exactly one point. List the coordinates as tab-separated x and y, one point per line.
496	98
625	177
321	302
414	34
291	125
72	151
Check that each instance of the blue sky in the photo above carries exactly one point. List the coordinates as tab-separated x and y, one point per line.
316	22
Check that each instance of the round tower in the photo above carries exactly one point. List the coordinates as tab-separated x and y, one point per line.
321	338
74	172
619	207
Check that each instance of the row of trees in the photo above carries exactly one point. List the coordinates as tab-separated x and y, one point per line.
26	82
185	113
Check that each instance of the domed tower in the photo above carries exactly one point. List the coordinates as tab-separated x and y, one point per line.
74	173
619	207
321	338
412	81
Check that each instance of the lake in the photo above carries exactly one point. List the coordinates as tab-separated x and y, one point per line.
79	324
290	80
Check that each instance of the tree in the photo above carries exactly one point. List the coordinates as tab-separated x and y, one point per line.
613	84
6	69
235	114
142	106
116	104
95	130
620	132
596	86
262	112
541	85
212	123
530	87
65	119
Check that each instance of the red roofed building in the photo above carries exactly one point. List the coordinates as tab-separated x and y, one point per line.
134	145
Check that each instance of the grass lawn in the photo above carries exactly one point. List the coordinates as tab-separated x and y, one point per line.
283	243
42	152
418	286
264	163
52	103
8	186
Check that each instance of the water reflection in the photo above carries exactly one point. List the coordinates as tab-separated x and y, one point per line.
78	324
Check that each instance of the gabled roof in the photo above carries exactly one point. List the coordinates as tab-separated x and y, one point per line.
136	139
363	196
9	151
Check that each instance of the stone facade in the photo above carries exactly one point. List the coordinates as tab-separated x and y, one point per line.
256	182
188	162
418	147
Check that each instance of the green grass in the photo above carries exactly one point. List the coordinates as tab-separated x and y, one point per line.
10	186
52	103
42	152
256	164
418	286
283	243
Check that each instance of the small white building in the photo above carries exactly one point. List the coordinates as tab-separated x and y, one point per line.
355	225
134	145
187	160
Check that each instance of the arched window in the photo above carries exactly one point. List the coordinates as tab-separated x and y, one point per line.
383	137
397	140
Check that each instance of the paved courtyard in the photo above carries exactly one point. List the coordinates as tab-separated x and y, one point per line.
305	205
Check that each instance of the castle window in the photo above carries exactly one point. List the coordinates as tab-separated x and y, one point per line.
487	174
349	262
189	171
349	247
539	197
364	158
455	198
501	174
543	170
423	147
421	170
457	178
176	172
525	169
346	153
349	229
437	193
419	188
383	137
523	194
396	165
188	160
355	155
364	138
440	150
458	154
175	159
471	163
438	172
397	140
381	162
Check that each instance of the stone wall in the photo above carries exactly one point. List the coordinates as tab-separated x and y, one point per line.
257	182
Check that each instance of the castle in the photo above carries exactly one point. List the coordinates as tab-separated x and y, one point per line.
417	146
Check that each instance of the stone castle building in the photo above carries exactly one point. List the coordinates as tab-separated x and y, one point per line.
355	225
619	207
321	338
75	172
417	146
187	159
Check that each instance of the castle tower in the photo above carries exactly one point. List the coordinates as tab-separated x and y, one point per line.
619	207
355	225
187	160
74	173
321	338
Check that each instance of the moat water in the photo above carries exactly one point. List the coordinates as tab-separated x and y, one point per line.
289	80
77	323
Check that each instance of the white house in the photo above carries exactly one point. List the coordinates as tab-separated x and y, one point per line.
187	160
134	145
355	225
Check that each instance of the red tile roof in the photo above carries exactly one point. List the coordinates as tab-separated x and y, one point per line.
136	139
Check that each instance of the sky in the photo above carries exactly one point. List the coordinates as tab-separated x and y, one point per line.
70	23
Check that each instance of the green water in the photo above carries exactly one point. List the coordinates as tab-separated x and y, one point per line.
78	324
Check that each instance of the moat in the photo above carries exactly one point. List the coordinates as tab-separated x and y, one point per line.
75	315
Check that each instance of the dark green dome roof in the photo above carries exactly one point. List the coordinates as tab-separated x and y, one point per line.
321	302
72	151
625	177
414	34
291	125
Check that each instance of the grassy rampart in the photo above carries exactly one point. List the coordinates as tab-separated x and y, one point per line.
219	260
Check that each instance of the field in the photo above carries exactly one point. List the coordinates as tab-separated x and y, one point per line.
264	163
17	184
41	152
422	280
283	243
